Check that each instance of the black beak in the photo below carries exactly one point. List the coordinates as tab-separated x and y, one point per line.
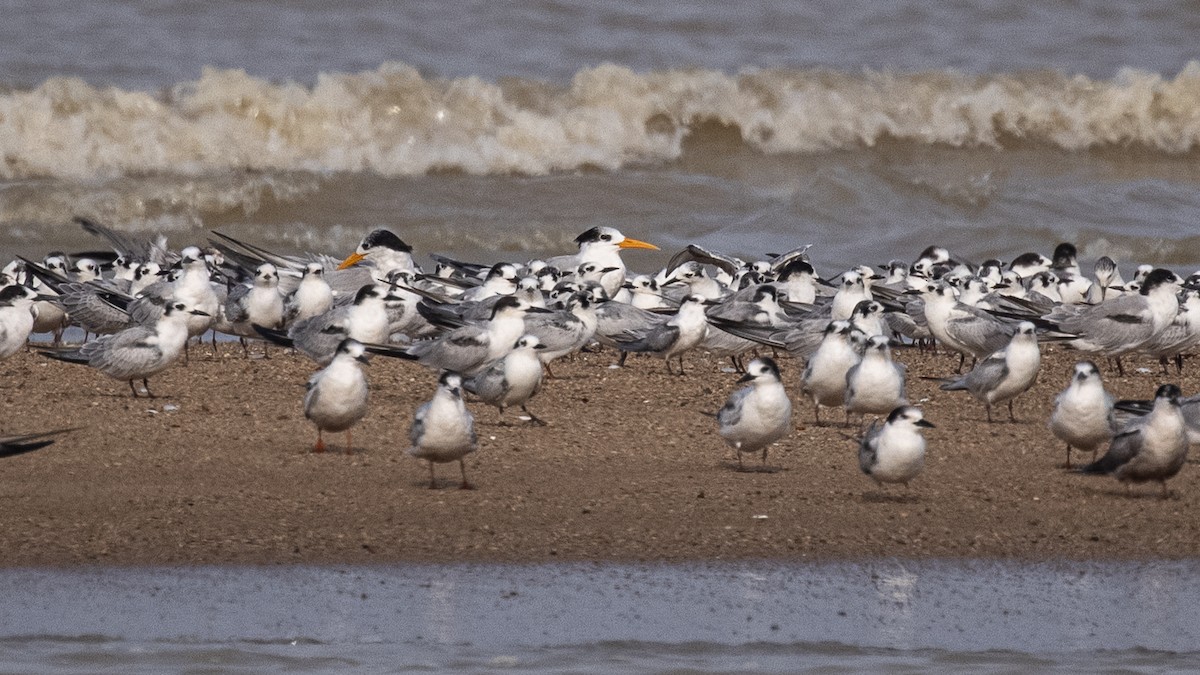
539	310
745	378
199	313
924	423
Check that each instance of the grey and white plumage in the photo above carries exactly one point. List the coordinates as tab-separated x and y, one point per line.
136	353
602	246
471	348
17	315
876	384
259	303
1005	374
565	331
379	254
336	396
895	451
312	296
673	337
824	376
365	319
1150	448
443	430
512	380
962	328
758	414
1083	412
1124	323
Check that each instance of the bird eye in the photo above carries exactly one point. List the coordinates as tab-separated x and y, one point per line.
606	237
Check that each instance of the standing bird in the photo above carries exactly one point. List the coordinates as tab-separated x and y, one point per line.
312	296
443	430
875	385
1083	412
757	415
337	395
137	353
512	380
673	337
601	245
1004	375
824	376
260	304
1153	447
895	452
17	315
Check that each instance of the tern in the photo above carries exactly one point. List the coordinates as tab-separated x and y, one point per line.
895	452
136	353
443	430
1004	375
603	246
1083	412
512	380
336	398
759	414
1149	448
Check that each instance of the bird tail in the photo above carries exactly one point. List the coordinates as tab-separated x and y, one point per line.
69	356
270	334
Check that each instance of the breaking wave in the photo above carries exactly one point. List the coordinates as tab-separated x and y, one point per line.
396	122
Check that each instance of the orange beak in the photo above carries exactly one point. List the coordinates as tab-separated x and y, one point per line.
352	260
634	243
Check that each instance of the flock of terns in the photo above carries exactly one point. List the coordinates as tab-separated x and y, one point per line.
495	330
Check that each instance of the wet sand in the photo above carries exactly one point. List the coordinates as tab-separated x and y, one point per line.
218	469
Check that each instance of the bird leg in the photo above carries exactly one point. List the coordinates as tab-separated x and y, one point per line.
349	446
1011	417
533	419
1068	455
133	389
462	466
245	348
432	480
320	446
962	358
1165	492
146	384
988	407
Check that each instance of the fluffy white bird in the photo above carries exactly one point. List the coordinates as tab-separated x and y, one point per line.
337	395
1083	412
443	430
895	452
875	385
757	415
824	376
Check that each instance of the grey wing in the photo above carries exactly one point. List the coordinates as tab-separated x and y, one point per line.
318	337
237	305
347	282
731	413
1116	322
490	385
866	449
91	311
147	308
659	339
987	375
417	430
980	332
556	331
126	354
1123	447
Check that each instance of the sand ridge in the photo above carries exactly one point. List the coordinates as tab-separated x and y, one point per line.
218	469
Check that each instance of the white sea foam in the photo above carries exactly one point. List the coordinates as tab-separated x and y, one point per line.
395	122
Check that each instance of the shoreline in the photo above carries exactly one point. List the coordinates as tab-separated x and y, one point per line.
628	471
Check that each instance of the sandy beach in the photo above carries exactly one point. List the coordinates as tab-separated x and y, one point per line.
218	469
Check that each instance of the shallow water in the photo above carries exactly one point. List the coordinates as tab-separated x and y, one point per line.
491	130
895	616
